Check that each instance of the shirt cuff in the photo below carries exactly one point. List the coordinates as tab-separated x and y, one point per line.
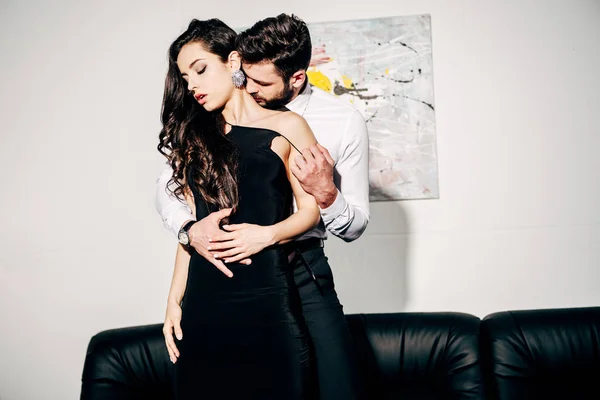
335	209
178	219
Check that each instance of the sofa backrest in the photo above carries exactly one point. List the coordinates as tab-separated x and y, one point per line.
542	354
419	355
127	364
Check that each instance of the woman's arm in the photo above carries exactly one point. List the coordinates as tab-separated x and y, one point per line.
297	131
178	284
182	260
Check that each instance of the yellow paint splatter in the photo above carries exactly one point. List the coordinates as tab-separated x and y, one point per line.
318	79
347	82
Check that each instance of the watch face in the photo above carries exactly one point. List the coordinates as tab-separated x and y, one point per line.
183	238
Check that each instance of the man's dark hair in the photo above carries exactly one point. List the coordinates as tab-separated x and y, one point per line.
283	40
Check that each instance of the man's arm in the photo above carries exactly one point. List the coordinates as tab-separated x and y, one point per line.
173	212
348	215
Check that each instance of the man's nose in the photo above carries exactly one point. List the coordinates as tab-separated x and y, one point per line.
251	87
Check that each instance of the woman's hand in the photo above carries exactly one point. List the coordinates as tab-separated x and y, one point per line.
241	241
172	323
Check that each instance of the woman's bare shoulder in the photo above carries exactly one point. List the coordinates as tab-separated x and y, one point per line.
292	126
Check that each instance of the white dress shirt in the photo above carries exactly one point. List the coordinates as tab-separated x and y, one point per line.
342	130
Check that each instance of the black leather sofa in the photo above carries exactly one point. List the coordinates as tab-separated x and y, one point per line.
542	354
513	355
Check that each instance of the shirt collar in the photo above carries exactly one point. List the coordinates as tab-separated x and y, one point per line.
298	105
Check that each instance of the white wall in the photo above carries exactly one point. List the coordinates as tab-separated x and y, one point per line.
517	224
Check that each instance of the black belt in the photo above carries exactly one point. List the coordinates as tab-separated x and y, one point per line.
308	244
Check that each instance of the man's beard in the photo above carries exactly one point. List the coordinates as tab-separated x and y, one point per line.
281	99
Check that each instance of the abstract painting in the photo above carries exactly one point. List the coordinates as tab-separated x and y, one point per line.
383	67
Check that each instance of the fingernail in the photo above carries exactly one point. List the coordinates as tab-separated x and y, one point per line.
179	336
208	248
209	240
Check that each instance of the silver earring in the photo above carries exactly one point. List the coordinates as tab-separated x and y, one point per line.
239	78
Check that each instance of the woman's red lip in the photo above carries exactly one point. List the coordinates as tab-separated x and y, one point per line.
201	99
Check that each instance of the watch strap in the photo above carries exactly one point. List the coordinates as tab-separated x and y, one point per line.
186	227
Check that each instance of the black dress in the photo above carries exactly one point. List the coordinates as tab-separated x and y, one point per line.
241	336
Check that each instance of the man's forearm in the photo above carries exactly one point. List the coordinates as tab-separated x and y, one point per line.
173	212
347	217
344	220
326	196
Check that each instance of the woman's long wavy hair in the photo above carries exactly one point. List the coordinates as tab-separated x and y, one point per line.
193	139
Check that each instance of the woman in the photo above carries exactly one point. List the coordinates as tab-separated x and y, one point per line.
242	335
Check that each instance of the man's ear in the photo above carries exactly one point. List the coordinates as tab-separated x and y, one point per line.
234	61
298	78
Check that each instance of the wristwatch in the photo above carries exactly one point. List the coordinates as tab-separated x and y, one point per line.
183	236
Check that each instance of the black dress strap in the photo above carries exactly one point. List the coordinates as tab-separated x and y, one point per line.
290	143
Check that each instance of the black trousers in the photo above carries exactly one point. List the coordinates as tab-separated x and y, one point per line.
337	373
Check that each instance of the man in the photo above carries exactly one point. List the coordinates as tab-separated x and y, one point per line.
276	53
